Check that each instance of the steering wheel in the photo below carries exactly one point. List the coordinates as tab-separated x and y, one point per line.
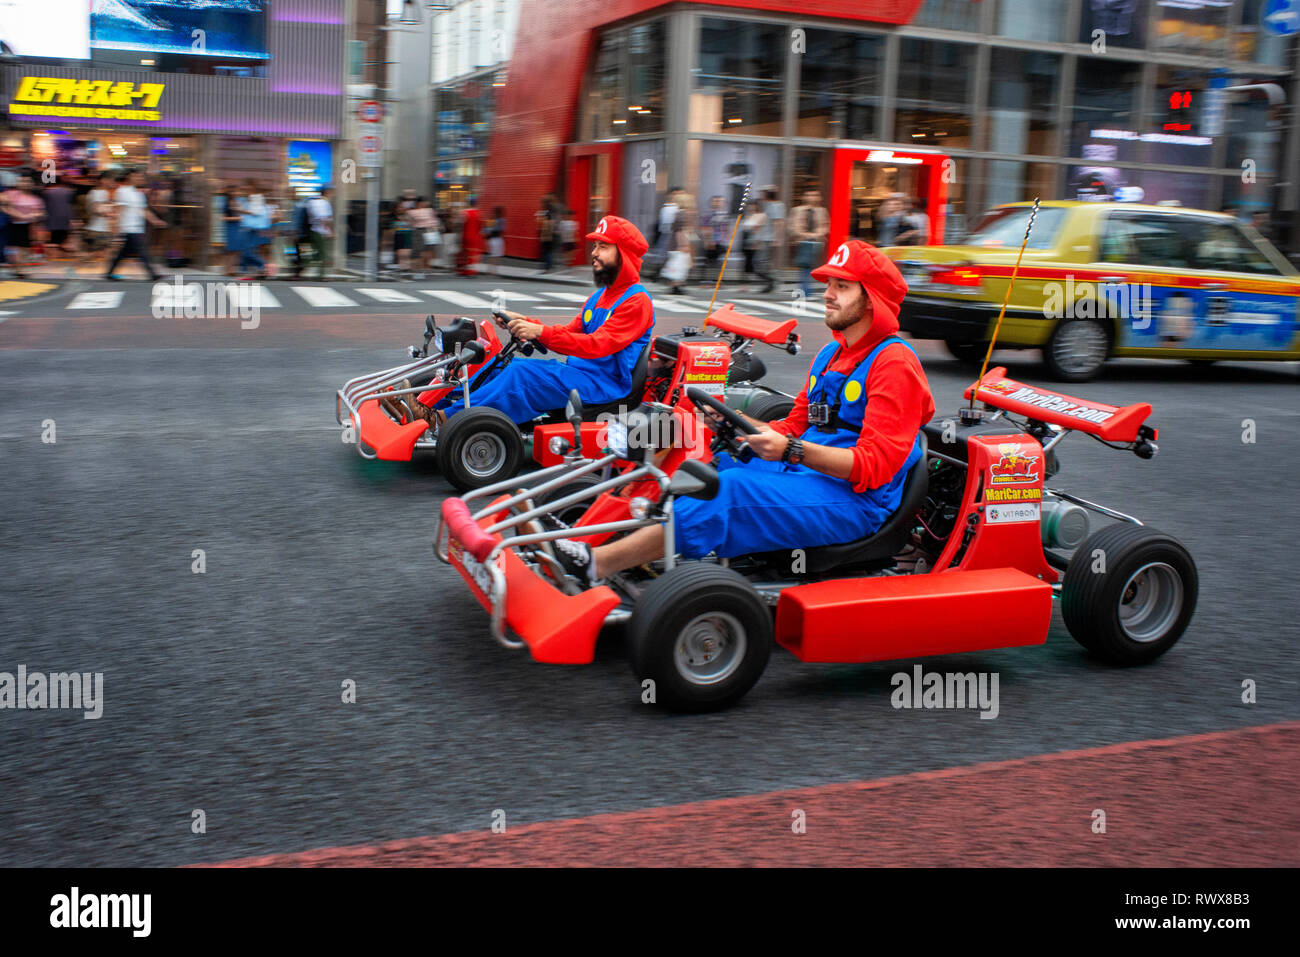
732	424
526	347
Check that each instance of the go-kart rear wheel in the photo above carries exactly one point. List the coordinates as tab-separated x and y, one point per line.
702	635
1128	593
477	447
769	408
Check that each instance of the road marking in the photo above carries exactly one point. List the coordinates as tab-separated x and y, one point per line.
97	300
788	307
221	296
510	294
388	295
322	296
462	299
567	296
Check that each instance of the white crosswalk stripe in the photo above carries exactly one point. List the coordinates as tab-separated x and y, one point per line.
97	300
567	296
388	295
322	296
511	295
785	308
456	298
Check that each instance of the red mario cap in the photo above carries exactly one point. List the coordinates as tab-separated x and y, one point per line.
617	230
861	262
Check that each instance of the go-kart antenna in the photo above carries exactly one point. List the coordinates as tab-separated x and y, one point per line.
969	413
739	213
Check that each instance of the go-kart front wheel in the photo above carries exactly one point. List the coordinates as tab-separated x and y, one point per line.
477	447
1129	593
702	635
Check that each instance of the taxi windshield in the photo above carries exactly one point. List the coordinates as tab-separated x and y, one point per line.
1004	228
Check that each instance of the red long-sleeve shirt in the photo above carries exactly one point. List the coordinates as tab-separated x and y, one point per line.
620	329
898	404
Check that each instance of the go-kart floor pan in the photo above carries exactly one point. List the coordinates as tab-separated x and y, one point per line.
909	616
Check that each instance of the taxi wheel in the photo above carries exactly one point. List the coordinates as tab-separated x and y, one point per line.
1076	350
967	353
701	635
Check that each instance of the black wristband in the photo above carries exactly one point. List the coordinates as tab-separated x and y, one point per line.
793	450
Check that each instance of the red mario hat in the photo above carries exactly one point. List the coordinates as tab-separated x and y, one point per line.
617	230
861	262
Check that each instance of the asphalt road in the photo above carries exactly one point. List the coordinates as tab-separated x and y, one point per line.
222	690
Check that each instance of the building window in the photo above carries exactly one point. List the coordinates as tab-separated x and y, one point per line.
1193	27
934	93
463	121
1103	125
1008	181
949	15
1032	19
625	90
1178	118
1114	23
1022	101
1252	41
839	85
739	79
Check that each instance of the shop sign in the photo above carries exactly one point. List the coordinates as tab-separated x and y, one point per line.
87	99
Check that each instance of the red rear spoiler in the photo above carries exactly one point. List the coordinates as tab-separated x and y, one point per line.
1109	422
752	327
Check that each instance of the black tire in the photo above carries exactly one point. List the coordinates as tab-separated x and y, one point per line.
1076	350
477	447
574	512
967	353
698	602
1134	610
767	407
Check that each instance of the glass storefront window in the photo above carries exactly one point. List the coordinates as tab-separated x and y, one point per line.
640	200
934	93
949	15
839	85
1008	181
1103	124
739	78
1116	23
1193	27
625	90
1032	19
646	63
605	101
1178	114
1252	41
1022	101
463	122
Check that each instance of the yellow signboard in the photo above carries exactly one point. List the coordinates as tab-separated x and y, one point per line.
89	99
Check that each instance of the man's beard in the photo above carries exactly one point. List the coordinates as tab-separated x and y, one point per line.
845	317
605	275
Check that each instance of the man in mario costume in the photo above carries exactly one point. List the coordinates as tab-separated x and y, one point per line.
603	342
833	470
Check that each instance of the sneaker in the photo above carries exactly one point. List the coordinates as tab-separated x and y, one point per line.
576	558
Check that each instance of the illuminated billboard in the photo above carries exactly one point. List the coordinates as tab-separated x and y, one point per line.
26	28
217	28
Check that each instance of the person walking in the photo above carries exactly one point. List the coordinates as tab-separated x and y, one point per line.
320	216
133	217
545	217
426	232
99	226
809	223
24	208
758	243
58	211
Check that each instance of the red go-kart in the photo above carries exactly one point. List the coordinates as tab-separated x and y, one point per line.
481	445
971	560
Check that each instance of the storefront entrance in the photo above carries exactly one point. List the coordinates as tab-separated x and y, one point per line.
863	178
591	177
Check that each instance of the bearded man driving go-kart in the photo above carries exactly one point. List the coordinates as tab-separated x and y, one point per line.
833	470
603	342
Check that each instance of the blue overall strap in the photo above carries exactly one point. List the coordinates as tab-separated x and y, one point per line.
588	308
819	364
852	411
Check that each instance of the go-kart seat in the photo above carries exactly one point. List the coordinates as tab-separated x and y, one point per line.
634	395
878	548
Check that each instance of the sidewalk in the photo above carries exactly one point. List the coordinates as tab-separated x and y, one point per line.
63	270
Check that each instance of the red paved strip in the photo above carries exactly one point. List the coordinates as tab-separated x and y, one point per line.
1210	800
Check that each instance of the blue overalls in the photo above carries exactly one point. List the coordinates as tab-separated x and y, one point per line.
763	506
525	390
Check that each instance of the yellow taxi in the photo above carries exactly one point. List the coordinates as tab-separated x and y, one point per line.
1103	279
